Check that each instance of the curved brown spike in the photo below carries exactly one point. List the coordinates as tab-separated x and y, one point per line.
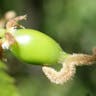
59	77
69	67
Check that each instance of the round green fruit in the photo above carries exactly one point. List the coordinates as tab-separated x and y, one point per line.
35	47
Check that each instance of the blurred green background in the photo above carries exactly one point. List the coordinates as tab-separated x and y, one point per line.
72	23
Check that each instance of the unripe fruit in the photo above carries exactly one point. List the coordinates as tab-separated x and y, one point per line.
35	47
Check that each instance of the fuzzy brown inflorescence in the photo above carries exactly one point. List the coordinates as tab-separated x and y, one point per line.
68	67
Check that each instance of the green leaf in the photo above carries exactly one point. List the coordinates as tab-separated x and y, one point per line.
7	87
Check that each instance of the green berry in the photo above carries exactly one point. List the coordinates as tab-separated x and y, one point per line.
35	47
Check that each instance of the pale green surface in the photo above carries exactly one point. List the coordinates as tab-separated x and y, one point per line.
2	31
36	47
